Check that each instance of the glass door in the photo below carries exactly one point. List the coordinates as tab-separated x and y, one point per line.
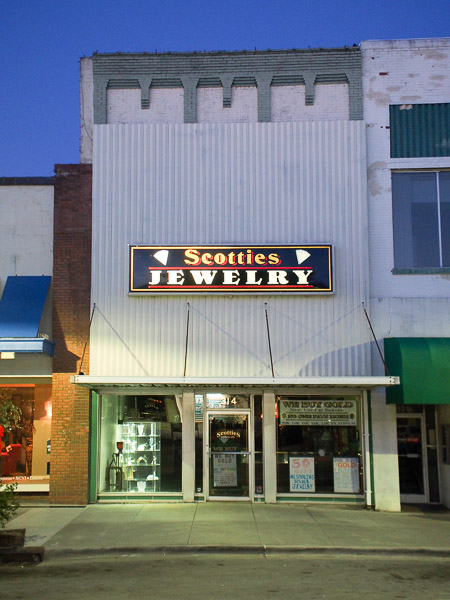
228	449
411	459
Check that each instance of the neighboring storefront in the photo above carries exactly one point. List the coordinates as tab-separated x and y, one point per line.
26	445
26	346
25	389
422	403
408	158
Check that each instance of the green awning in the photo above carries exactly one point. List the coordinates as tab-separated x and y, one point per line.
423	365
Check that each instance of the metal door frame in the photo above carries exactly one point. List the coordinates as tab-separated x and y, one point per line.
425	497
206	453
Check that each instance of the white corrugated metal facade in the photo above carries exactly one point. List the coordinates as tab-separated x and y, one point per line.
240	183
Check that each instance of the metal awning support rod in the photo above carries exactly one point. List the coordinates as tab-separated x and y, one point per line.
86	343
268	338
376	341
187	339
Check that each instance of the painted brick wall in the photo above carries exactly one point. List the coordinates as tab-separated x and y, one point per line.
166	106
288	103
243	109
86	109
26	205
331	102
71	316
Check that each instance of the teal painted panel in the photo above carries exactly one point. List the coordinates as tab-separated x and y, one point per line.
93	450
419	130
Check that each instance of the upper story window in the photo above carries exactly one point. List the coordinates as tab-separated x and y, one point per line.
419	130
421	215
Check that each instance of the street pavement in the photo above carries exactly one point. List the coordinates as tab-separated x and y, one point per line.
238	576
232	527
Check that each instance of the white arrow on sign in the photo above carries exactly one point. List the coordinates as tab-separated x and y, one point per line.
302	255
162	256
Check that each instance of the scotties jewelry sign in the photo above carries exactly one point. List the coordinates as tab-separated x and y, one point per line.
230	269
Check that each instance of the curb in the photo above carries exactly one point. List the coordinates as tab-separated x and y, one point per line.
254	550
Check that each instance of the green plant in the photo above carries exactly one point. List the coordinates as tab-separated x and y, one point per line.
10	414
8	502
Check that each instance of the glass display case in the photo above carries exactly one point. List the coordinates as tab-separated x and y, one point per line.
141	455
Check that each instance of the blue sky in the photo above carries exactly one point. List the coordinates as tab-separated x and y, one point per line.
41	42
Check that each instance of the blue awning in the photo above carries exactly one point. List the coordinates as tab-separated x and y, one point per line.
21	308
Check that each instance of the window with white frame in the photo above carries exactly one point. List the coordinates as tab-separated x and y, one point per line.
421	216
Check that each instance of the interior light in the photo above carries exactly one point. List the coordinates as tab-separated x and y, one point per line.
48	409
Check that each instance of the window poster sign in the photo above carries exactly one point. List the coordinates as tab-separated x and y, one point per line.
302	476
318	412
225	470
346	474
198	408
237	269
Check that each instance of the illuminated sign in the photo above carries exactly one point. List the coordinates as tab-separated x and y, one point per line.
228	434
230	269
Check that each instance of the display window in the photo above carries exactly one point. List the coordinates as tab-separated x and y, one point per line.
319	445
140	444
25	436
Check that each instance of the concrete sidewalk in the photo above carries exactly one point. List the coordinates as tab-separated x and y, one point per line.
232	527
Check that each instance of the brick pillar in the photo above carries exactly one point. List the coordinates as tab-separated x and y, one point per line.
71	315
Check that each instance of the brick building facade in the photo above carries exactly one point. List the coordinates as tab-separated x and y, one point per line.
71	317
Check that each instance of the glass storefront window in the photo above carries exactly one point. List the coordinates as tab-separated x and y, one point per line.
25	444
318	445
140	444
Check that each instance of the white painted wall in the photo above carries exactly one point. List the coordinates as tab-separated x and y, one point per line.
86	109
27	231
243	109
166	106
385	460
331	103
397	72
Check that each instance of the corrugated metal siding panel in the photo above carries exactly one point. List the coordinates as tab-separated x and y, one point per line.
229	183
420	130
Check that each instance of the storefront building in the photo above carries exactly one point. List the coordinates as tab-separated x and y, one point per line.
229	345
406	108
243	287
26	345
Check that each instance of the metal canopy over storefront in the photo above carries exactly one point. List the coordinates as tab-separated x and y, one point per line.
423	365
101	383
21	309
